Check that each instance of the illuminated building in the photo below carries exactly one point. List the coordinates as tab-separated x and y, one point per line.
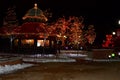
32	34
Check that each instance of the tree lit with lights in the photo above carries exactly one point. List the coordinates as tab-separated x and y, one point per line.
71	31
10	19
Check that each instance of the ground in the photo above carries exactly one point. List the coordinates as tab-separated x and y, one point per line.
67	71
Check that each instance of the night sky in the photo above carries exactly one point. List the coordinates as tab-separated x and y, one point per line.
104	15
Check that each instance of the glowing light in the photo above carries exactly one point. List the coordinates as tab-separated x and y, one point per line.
113	33
109	56
29	41
35	6
119	22
58	35
38	44
66	47
65	36
81	48
113	55
119	53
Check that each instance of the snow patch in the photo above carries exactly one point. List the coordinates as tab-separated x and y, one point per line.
10	68
44	60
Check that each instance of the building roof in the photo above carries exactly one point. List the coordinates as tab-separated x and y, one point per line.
5	30
31	28
35	15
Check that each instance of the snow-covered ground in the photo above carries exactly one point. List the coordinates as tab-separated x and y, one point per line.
10	68
44	60
36	58
53	58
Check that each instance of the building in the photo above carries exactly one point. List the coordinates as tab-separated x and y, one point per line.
32	36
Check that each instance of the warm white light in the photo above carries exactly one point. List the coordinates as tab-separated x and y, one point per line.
38	44
119	22
65	36
109	56
113	33
35	6
58	35
119	53
29	41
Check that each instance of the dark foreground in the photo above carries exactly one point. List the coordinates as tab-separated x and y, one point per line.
67	71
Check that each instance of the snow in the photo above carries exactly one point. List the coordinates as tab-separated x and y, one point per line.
53	58
35	58
10	68
73	55
44	60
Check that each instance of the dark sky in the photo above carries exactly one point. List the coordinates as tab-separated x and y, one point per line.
103	14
